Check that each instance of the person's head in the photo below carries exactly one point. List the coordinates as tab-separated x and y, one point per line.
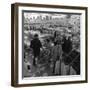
47	40
66	36
55	33
36	36
70	38
59	41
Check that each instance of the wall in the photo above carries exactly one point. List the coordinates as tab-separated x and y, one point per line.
5	44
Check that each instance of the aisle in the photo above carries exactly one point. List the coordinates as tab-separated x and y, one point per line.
44	68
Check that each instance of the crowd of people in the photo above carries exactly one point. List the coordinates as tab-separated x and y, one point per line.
59	49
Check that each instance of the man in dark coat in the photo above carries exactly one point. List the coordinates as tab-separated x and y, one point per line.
35	45
67	45
67	49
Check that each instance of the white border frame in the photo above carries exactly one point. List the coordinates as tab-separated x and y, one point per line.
33	80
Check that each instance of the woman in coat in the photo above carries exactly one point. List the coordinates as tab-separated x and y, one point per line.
56	56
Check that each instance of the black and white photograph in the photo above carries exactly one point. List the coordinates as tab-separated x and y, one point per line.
51	44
